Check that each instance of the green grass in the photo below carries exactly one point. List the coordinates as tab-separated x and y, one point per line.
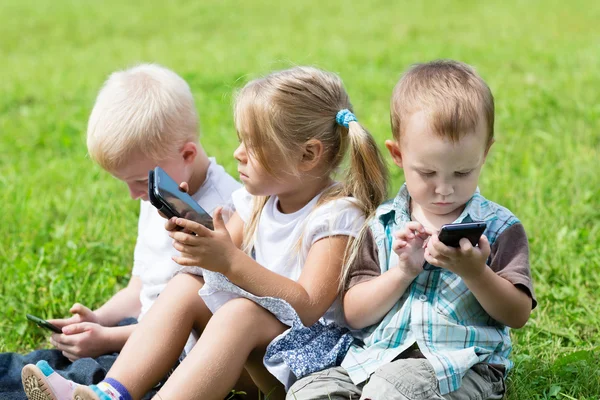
68	228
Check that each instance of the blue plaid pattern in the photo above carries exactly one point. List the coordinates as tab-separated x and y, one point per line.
437	311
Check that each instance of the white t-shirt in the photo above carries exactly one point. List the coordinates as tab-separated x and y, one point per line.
153	250
278	235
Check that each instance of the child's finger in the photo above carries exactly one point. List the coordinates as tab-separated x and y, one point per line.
441	248
218	222
399	244
74	329
185	238
193	226
70	356
170	225
415	226
404	234
484	244
184	187
465	245
184	261
81	310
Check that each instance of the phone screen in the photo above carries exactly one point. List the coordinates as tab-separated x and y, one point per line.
180	203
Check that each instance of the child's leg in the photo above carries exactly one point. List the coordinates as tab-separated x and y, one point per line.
158	341
267	383
330	384
414	378
482	381
216	362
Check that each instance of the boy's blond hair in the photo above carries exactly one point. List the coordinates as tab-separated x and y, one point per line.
148	110
451	93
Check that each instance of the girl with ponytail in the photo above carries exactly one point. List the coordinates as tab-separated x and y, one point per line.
272	275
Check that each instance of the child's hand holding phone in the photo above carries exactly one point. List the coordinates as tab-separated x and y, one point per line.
467	260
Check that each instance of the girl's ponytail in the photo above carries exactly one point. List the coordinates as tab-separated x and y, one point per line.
366	179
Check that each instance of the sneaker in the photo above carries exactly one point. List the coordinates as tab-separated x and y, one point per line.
35	383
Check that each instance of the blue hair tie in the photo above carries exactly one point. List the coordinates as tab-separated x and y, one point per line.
344	117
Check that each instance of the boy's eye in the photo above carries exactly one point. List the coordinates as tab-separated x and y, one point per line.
427	174
461	174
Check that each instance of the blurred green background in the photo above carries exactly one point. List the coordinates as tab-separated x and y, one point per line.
68	228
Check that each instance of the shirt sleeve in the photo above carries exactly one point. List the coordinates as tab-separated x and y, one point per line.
510	259
242	203
339	217
366	264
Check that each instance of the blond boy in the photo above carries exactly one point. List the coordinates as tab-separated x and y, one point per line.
439	316
143	117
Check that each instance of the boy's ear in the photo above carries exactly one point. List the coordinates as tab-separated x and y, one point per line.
311	154
394	149
487	149
188	152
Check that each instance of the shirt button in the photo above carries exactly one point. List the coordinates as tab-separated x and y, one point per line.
423	297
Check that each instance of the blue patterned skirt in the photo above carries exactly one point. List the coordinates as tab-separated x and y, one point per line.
297	352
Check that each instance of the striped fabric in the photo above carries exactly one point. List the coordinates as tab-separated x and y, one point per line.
438	312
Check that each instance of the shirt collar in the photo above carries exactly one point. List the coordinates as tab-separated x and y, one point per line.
398	209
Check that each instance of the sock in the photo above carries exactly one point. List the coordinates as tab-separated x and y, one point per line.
111	389
62	387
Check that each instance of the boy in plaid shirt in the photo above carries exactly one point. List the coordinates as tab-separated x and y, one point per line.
442	315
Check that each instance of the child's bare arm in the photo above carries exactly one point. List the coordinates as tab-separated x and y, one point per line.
382	293
124	304
502	300
316	288
217	250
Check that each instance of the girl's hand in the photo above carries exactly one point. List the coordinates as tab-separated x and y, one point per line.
212	250
409	244
467	261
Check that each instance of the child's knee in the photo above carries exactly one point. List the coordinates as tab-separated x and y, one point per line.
246	314
411	378
330	384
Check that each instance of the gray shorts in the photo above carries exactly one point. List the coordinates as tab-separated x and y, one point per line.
403	379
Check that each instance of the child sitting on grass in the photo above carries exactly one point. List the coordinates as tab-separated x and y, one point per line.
441	314
143	117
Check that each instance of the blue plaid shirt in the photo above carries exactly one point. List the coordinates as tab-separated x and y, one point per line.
437	311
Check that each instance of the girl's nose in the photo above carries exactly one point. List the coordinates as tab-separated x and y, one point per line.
240	153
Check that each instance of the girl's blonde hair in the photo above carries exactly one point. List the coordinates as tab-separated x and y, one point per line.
282	111
146	109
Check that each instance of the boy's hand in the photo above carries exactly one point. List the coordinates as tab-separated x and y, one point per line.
409	244
80	314
467	261
211	250
84	339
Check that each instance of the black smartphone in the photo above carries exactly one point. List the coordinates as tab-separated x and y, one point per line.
450	234
165	195
43	323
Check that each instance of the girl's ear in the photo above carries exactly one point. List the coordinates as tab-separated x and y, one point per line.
312	151
394	149
188	152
